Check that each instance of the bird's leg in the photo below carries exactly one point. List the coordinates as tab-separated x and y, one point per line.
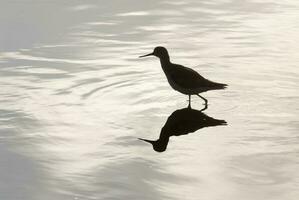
189	105
206	101
206	106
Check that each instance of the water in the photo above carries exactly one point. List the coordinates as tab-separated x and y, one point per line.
74	98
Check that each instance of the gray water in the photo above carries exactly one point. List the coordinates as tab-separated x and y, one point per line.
75	98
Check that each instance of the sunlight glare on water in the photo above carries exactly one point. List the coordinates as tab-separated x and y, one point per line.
75	98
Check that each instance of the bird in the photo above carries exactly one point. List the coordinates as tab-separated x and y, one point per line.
183	79
183	122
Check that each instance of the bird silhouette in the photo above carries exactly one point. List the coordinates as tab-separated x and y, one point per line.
182	122
183	79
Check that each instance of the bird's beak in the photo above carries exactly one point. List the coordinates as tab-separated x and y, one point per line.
149	141
150	54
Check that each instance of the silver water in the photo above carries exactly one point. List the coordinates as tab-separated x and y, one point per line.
74	98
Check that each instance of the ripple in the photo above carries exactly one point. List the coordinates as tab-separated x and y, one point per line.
135	13
20	56
83	7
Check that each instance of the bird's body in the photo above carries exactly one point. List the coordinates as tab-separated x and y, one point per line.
182	79
188	81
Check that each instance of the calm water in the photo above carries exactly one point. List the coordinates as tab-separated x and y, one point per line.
75	98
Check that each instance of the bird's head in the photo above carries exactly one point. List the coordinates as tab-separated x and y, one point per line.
158	146
160	52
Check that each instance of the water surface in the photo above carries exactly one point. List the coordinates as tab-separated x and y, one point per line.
74	98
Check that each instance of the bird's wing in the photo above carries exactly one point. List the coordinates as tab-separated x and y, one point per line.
188	78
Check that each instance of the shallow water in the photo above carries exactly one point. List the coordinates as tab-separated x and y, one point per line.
75	98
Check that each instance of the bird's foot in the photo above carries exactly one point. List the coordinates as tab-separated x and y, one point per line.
206	106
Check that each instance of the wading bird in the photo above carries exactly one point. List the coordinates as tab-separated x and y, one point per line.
183	79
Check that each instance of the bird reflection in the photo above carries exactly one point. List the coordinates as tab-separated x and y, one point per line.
183	122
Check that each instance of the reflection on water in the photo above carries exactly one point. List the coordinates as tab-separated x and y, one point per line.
182	122
74	97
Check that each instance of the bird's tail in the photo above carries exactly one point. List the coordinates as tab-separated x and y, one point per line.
220	86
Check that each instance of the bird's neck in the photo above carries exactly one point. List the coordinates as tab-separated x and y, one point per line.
165	63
